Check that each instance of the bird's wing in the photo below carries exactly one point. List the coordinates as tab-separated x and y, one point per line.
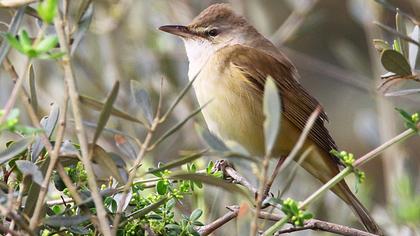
297	104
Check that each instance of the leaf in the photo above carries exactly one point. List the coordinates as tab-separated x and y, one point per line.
105	161
15	149
180	96
401	27
142	212
47	44
30	169
12	41
66	221
214	142
25	41
381	45
48	124
272	107
395	32
196	214
162	187
178	126
47	10
237	148
106	111
402	92
32	86
99	106
394	61
179	162
142	99
414	49
14	26
82	27
211	180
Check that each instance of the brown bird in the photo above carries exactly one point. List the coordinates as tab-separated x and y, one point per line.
231	61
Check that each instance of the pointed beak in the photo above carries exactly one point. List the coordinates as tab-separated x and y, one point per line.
178	30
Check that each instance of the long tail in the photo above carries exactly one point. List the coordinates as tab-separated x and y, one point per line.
358	208
323	167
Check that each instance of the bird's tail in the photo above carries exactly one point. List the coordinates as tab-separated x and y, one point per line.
343	191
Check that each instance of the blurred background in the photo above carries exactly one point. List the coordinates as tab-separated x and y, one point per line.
329	41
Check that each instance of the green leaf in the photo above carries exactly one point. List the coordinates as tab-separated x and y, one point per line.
272	109
213	141
30	169
162	187
47	44
15	149
106	111
142	212
47	10
395	62
142	98
14	43
25	41
96	105
196	214
106	162
381	45
65	221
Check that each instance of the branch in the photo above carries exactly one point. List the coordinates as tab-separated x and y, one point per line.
210	228
316	225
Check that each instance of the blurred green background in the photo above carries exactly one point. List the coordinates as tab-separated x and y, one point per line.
329	41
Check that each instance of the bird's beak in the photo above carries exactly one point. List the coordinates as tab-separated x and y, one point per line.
179	30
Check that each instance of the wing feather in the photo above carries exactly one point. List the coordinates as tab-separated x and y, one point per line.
297	104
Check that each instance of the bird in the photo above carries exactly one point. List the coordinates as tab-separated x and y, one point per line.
230	61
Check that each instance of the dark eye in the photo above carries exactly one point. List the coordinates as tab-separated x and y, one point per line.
213	32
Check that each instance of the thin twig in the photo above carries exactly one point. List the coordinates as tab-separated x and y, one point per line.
210	228
80	132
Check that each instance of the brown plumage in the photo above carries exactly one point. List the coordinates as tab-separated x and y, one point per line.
232	61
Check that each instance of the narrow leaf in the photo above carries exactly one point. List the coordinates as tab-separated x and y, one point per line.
402	92
82	27
142	99
65	221
30	169
395	32
401	27
178	125
214	142
142	212
106	111
15	149
413	49
394	61
48	124
14	26
272	109
99	106
47	44
180	96
179	162
106	163
32	86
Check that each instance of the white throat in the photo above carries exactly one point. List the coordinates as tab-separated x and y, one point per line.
198	52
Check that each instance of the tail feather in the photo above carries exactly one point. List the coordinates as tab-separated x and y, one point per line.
358	208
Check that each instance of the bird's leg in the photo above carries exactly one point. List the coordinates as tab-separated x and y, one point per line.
231	175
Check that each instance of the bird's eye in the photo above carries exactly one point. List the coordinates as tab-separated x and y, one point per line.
213	32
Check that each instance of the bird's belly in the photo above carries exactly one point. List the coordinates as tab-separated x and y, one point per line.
235	113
